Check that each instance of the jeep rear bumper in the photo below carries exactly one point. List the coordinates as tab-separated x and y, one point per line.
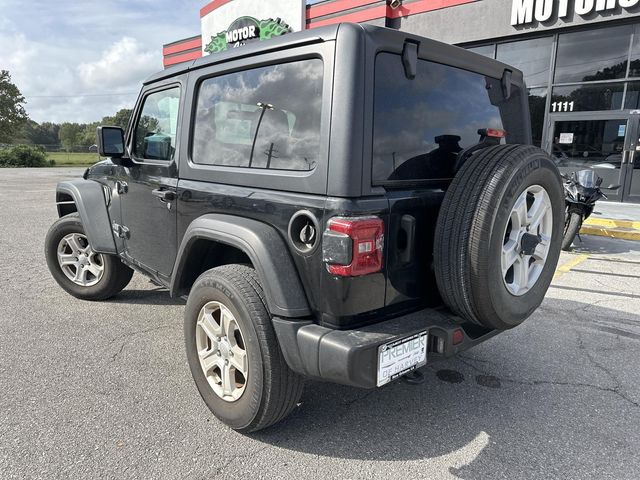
350	357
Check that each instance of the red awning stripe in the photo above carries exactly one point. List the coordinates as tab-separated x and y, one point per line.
182	46
211	6
314	11
361	16
185	57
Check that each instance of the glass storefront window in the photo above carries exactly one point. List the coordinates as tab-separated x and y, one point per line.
583	98
598	54
634	66
589	144
530	56
537	103
632	99
486	50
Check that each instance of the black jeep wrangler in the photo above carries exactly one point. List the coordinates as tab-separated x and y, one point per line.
344	204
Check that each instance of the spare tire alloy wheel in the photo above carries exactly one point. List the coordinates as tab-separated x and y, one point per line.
78	261
526	240
498	235
221	350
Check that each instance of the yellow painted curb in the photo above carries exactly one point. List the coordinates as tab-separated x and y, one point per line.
567	266
612	223
621	233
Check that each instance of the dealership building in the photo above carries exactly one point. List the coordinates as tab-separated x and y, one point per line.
580	58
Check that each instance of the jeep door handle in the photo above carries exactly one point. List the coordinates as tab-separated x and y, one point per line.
164	195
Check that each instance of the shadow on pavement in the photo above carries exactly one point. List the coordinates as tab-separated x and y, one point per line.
523	400
592	244
157	296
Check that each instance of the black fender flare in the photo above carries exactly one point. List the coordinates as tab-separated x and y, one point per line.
90	203
265	248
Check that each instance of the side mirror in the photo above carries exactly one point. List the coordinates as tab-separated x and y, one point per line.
111	142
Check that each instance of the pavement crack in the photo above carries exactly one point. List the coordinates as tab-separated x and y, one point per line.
139	332
236	456
360	398
128	336
615	390
113	357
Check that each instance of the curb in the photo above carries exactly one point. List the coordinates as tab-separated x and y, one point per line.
612	228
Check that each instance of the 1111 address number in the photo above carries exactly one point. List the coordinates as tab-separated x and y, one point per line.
562	106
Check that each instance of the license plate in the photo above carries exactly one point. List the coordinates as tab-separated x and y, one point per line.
401	356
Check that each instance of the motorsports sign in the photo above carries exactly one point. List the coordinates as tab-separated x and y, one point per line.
244	30
524	12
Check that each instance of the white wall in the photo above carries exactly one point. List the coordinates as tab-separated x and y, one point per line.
290	11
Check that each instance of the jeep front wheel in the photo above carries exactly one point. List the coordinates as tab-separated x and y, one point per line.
79	270
233	353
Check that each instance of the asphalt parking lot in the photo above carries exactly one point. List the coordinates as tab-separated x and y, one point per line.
103	389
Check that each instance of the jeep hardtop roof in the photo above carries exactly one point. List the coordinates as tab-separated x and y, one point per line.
383	38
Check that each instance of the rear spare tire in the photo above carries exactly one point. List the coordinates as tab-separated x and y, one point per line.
498	235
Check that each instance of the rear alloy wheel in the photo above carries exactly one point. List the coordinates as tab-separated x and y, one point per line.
233	352
221	350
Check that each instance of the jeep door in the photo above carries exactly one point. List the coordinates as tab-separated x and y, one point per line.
148	204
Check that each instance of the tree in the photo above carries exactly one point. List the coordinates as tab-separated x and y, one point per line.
12	112
121	119
70	134
33	133
88	135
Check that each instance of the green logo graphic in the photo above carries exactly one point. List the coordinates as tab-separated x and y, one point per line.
244	30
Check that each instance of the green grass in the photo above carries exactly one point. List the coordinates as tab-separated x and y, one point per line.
64	159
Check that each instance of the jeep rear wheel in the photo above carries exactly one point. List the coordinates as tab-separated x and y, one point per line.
233	352
79	270
498	235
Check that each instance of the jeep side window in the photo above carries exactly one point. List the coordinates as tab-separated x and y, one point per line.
420	125
155	135
266	117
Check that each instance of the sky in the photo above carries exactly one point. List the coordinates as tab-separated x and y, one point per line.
80	60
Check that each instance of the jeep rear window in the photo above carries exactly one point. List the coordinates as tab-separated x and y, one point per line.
420	125
267	117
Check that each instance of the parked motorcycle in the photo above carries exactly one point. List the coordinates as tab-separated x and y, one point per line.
582	191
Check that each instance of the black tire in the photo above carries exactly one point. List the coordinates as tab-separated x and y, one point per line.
571	229
116	274
272	390
471	228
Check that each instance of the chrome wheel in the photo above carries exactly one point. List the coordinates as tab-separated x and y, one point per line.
221	350
78	261
526	240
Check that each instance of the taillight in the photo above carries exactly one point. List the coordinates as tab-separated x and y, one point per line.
352	246
495	133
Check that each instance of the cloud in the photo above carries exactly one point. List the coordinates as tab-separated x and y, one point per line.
124	63
66	56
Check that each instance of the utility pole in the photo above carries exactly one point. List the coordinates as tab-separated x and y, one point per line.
270	155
